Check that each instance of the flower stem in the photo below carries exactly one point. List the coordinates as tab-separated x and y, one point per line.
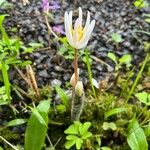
76	65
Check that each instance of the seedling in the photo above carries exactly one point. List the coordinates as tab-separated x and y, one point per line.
78	134
143	97
125	59
116	38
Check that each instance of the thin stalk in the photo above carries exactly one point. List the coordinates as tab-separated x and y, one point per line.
138	77
90	72
51	145
50	31
76	65
13	147
127	82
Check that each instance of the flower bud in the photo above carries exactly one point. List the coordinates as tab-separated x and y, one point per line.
79	88
72	80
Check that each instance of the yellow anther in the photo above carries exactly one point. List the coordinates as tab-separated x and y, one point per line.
80	33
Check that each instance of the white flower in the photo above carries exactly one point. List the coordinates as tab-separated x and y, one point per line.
78	36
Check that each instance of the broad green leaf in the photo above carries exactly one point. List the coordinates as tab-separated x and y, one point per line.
79	142
73	129
86	135
136	138
64	97
69	144
36	132
37	114
126	59
147	130
16	122
72	137
116	37
114	111
113	57
143	97
84	128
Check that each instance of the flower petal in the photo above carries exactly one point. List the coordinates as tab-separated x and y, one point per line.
86	35
87	21
80	16
75	35
68	27
70	18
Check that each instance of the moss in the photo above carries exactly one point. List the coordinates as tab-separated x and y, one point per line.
10	136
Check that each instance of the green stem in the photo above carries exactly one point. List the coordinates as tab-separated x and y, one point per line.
138	77
13	147
127	82
90	72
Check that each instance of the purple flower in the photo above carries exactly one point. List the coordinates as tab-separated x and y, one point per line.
58	29
45	6
54	5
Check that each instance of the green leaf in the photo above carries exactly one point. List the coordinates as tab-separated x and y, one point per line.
4	34
98	140
28	50
143	97
125	59
64	97
105	148
113	57
141	3
73	129
37	114
36	132
61	108
136	138
79	142
84	128
69	144
86	135
35	45
25	63
111	125
16	122
114	111
6	79
72	137
1	148
147	20
147	130
116	37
